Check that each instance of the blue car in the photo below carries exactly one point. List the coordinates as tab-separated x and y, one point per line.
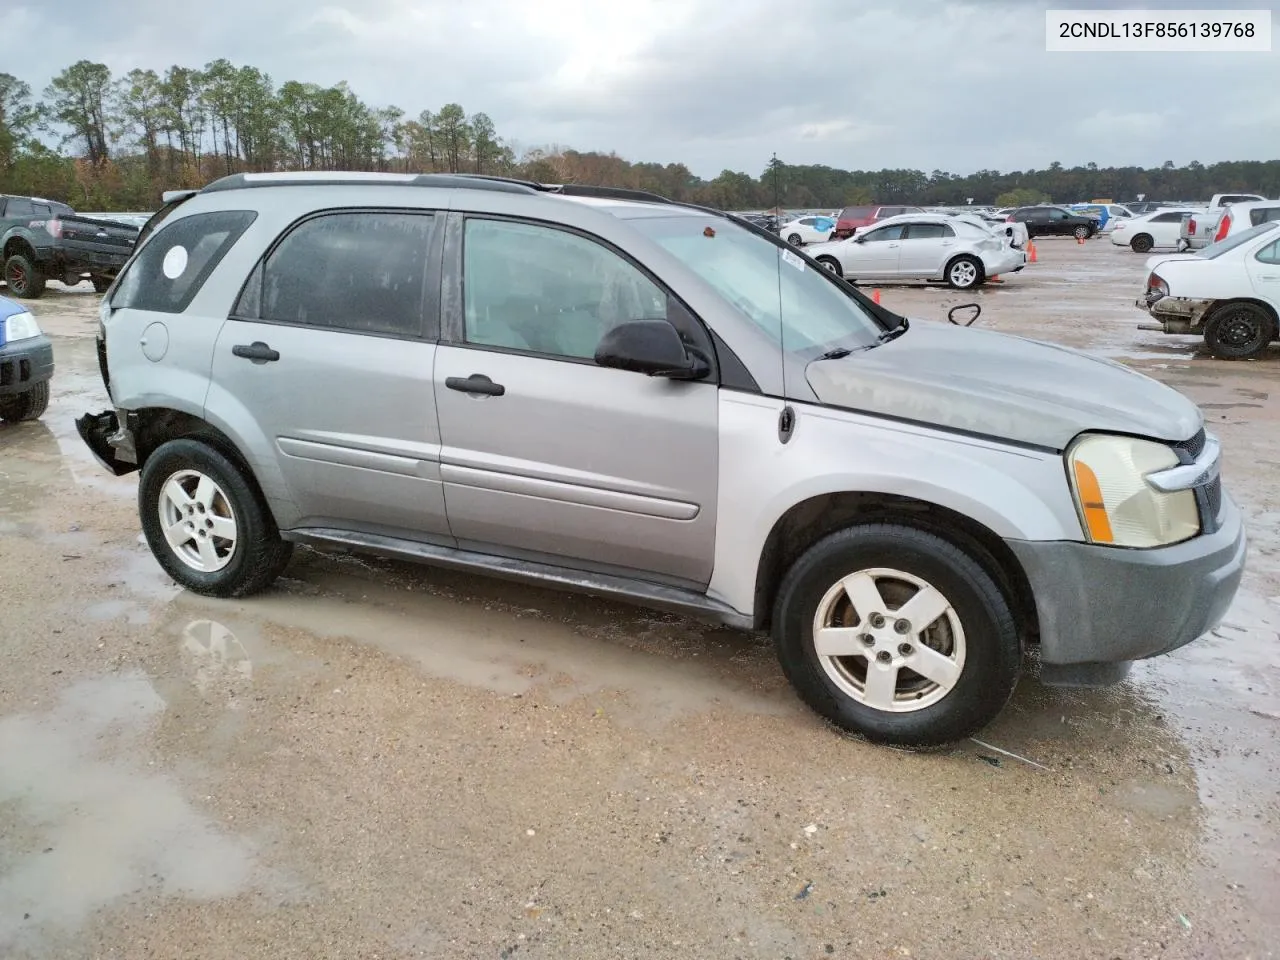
26	364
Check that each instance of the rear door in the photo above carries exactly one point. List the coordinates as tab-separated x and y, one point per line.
1264	273
546	455
330	350
925	249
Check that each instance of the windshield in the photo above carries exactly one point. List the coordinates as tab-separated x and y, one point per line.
799	306
1215	250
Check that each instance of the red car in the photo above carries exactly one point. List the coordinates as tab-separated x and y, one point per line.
854	218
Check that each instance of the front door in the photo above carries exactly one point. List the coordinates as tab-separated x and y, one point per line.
546	455
331	347
875	253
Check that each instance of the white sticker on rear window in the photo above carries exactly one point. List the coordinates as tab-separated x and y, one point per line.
175	261
792	259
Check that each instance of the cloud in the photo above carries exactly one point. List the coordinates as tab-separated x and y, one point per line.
930	84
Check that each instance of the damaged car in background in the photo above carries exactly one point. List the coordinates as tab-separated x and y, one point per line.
1229	293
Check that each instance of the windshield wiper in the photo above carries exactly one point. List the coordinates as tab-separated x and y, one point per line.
894	332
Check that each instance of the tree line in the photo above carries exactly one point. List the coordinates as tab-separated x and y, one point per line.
105	142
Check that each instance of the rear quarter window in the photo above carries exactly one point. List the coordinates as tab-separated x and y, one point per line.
1263	214
171	268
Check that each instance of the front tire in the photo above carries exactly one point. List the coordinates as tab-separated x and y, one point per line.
26	280
1082	232
1141	243
1239	331
965	272
206	523
897	635
832	264
28	405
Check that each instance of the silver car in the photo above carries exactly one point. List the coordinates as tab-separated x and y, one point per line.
607	392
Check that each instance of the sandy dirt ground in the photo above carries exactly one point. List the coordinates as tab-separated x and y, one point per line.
377	760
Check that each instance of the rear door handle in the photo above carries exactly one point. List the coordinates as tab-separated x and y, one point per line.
257	351
477	383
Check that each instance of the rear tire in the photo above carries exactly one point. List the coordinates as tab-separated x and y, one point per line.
28	405
1142	243
963	633
965	273
832	264
222	540
1239	331
26	281
100	284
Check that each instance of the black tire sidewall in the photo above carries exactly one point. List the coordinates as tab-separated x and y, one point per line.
28	405
1225	351
831	265
795	240
256	531
993	655
1141	243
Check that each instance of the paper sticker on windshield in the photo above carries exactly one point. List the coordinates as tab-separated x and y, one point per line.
792	259
175	261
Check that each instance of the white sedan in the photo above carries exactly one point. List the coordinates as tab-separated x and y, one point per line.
1161	228
1229	292
922	246
804	230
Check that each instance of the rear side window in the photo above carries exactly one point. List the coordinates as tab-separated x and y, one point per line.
1263	214
361	271
928	231
169	270
20	208
1167	218
856	213
1269	254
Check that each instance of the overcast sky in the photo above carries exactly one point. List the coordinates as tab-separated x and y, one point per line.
858	84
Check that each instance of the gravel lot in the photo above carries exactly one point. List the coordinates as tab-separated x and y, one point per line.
380	760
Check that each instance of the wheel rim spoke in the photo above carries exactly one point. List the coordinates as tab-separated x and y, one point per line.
224	528
881	685
838	642
176	495
206	490
863	594
923	609
177	534
932	665
208	553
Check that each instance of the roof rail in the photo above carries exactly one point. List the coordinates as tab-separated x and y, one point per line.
240	181
604	193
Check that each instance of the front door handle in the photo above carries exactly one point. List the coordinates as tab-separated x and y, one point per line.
257	351
477	383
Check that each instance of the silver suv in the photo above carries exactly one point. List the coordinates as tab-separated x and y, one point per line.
608	392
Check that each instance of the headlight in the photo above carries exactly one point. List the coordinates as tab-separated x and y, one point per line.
20	326
1116	503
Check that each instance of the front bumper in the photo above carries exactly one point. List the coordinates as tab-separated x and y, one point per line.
24	363
1108	605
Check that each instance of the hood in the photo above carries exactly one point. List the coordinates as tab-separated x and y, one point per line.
9	308
1002	386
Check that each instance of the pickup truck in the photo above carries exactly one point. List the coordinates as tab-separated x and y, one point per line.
43	240
1198	228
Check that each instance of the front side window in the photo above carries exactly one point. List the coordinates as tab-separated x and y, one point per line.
803	308
169	271
359	271
541	290
891	232
1058	214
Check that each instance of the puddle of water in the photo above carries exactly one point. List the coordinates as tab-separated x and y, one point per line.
84	828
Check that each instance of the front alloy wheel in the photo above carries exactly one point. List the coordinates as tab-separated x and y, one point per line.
889	640
198	521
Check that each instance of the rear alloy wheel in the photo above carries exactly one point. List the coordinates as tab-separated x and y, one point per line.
795	240
1239	331
28	405
1142	243
205	522
964	272
832	264
1082	232
24	278
896	634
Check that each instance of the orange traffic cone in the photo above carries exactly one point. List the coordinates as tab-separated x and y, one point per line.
1031	252
1080	241
875	295
995	279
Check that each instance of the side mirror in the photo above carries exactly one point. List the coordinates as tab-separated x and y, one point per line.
650	347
